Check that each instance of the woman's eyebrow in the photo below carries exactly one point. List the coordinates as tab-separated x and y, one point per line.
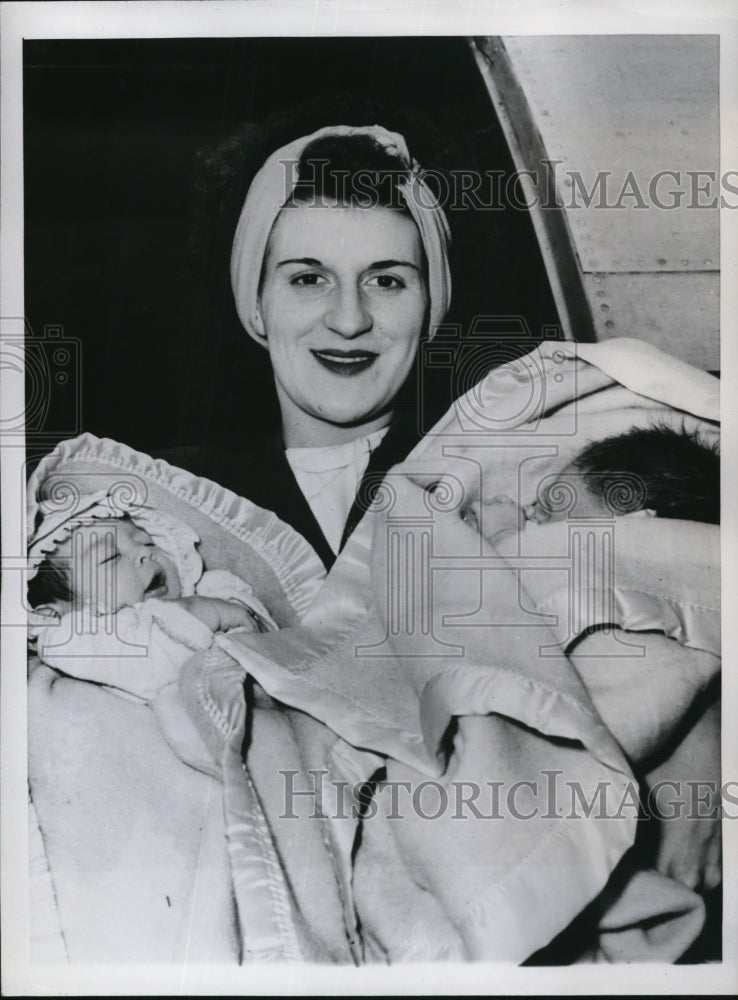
379	265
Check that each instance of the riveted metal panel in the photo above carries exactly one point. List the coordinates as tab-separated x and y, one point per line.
620	135
633	122
679	313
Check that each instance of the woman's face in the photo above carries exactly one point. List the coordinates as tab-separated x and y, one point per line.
343	303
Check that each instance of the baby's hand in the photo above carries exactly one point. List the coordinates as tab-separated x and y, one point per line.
220	615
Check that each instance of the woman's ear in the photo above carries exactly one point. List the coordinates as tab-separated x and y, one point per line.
259	328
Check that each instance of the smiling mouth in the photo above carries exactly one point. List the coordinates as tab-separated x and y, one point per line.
345	363
158	585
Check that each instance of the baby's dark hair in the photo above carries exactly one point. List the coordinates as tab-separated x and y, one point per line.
53	581
673	472
50	585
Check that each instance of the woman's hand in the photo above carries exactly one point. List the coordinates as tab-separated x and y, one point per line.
642	697
220	615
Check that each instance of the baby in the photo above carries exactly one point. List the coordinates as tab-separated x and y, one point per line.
122	599
658	470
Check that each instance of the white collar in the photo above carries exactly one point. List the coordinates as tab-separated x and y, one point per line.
332	457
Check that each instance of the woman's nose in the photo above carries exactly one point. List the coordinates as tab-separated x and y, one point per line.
347	314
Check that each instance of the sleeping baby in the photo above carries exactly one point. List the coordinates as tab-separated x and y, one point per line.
121	598
649	472
657	470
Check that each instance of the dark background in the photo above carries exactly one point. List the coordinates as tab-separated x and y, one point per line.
111	132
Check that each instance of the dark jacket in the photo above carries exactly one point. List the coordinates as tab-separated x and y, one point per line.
263	475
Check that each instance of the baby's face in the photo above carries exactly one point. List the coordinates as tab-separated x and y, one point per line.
114	564
496	518
500	516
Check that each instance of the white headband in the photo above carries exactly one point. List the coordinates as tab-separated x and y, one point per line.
272	187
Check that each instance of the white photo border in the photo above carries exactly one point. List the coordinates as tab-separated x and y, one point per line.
190	18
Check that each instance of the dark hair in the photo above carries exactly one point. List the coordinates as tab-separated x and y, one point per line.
53	581
351	170
50	585
224	170
675	473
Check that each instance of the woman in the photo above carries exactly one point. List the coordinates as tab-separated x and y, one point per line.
339	269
